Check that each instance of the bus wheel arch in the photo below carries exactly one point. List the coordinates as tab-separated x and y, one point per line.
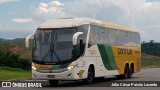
125	73
90	74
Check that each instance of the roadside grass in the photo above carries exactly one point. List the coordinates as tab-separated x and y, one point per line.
150	62
7	73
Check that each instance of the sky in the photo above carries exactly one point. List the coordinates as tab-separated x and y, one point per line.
19	18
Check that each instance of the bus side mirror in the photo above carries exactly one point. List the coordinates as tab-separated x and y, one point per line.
77	44
75	37
27	40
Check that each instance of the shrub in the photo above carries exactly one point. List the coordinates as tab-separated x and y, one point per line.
15	62
10	59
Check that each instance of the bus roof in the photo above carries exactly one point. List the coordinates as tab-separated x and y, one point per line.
73	22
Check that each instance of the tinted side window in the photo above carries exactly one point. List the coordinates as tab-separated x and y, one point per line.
137	38
132	38
84	29
126	38
112	36
120	37
94	35
103	35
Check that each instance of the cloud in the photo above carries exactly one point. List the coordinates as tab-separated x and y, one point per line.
57	3
138	14
22	20
47	11
7	1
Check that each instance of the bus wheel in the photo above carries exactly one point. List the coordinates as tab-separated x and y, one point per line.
90	77
126	72
53	82
131	71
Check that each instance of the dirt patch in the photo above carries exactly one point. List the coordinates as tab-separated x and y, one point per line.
150	56
15	49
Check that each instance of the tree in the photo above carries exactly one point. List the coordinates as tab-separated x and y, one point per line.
152	48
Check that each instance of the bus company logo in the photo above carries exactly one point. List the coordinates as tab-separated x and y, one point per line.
6	84
124	51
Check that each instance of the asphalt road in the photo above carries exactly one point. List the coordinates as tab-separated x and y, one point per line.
150	74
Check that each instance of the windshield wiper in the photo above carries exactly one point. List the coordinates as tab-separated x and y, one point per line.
45	55
52	45
53	51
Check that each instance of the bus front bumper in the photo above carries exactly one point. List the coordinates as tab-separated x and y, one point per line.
66	75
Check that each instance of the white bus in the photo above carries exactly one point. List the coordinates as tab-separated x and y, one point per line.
83	49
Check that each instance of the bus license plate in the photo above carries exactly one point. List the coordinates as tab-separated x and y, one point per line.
50	76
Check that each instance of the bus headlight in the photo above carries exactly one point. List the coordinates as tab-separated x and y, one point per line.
34	68
71	67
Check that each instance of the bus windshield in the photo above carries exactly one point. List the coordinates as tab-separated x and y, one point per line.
52	46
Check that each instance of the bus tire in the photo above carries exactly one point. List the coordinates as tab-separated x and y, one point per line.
131	71
90	75
53	82
126	72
